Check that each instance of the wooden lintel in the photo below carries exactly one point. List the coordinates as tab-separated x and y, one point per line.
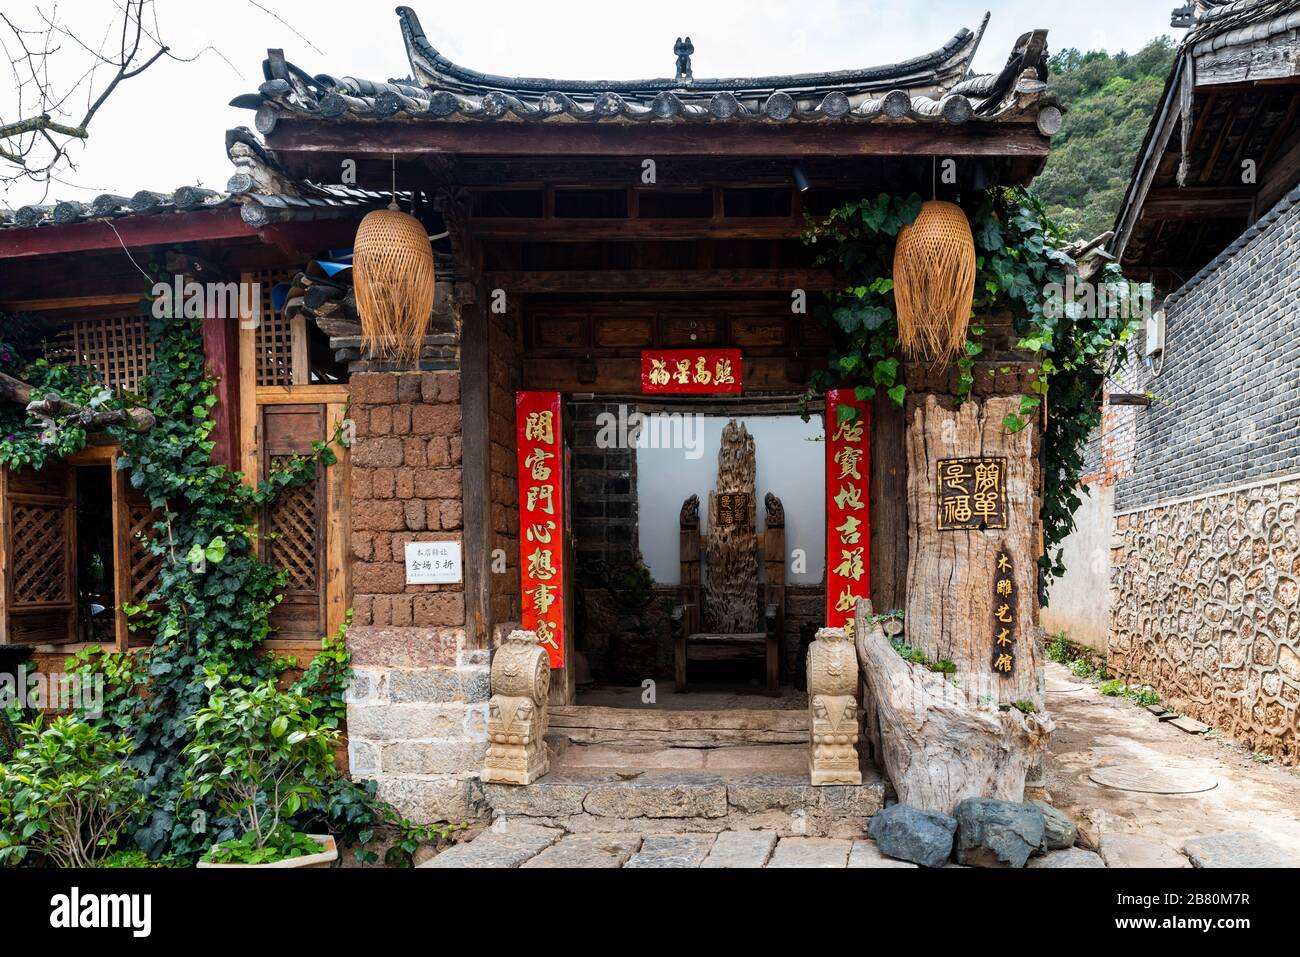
576	230
130	231
71	302
362	138
666	280
1198	202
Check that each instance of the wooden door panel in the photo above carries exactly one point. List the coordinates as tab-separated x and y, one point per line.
38	547
292	538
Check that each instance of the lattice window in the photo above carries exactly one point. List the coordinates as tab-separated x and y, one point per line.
39	538
117	347
143	566
275	336
292	520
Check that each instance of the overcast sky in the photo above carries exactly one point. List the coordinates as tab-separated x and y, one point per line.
165	128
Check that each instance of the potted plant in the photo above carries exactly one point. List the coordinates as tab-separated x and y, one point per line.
264	756
67	794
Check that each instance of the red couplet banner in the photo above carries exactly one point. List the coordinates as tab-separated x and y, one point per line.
848	506
690	371
539	441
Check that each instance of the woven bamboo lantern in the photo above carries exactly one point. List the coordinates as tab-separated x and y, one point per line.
393	275
934	282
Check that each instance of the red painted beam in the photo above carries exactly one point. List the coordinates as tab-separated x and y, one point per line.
221	357
163	228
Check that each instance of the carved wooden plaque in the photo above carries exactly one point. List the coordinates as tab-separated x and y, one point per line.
972	493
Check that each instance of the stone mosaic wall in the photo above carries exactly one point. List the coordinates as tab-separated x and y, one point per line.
417	711
1205	595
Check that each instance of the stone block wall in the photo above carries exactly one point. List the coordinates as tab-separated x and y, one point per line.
1205	564
417	711
1205	609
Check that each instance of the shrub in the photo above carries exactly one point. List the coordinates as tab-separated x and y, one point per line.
67	794
264	755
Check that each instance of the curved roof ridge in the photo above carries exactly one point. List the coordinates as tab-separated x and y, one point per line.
942	68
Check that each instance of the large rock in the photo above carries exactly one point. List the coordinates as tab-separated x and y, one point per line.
922	837
993	833
1059	831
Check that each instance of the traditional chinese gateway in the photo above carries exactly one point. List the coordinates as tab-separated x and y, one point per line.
535	603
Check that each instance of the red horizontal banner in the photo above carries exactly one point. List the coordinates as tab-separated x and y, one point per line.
541	518
690	371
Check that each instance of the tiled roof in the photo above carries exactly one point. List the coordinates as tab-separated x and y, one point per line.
935	88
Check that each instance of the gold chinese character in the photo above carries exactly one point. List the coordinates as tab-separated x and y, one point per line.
1004	587
538	426
536	463
1003	664
1003	614
1004	564
539	497
847	600
986	503
850	565
955	476
702	374
539	565
540	531
722	373
988	475
847	459
849	534
683	373
1004	637
957	509
659	371
850	430
543	597
849	496
546	634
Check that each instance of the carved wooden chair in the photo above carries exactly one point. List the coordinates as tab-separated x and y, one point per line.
721	615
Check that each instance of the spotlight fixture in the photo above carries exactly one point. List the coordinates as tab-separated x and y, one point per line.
800	178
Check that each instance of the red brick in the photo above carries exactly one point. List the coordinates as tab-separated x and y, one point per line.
436	452
381	420
413	452
448	387
363	546
441	608
435	419
454	442
381	483
373	388
401	420
402	613
449	513
405	483
377	453
414	510
361	484
383	515
437	483
362	610
378	578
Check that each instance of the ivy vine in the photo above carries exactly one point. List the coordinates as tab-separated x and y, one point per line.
1019	257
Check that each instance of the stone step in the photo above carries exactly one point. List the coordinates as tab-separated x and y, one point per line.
678	728
591	800
622	756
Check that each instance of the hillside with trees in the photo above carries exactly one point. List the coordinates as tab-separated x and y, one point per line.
1109	100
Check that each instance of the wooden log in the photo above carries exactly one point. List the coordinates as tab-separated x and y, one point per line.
92	420
941	742
952	604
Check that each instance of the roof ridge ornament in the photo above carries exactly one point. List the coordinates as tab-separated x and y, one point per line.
683	50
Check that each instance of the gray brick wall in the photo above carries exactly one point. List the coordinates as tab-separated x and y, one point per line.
1227	402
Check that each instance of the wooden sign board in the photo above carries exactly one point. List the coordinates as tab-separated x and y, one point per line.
972	493
690	371
734	508
1004	615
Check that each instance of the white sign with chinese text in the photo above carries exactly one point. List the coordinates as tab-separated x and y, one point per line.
433	563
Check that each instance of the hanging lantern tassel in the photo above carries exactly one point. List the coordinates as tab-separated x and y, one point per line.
393	275
934	282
